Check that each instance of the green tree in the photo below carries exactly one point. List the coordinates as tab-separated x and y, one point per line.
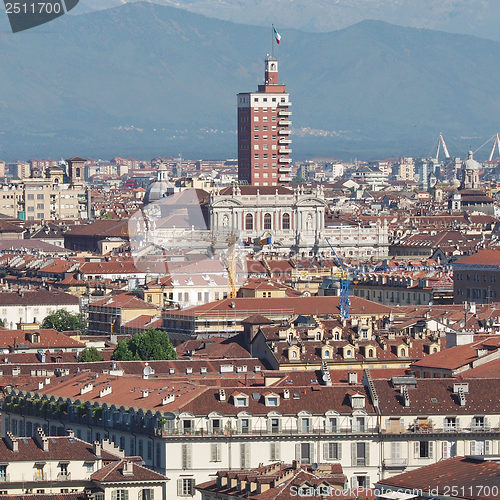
63	321
122	351
90	354
150	345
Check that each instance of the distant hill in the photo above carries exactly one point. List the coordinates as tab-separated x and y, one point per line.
144	79
469	17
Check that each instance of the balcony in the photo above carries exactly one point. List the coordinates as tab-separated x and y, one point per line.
284	113
280	104
284	151
480	427
395	463
285	141
285	178
285	160
283	131
39	477
284	169
284	123
5	478
272	430
64	476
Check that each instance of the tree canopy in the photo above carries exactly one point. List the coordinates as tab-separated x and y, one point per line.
90	354
63	321
150	345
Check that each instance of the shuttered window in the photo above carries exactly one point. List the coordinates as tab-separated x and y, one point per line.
275	451
332	451
186	456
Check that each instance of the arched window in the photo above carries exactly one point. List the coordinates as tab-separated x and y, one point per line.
77	172
348	353
370	353
273	67
294	354
249	221
267	221
327	353
434	350
403	353
286	221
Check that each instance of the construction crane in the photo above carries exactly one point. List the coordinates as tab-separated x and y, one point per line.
344	284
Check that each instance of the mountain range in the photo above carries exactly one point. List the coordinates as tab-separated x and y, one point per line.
471	17
144	79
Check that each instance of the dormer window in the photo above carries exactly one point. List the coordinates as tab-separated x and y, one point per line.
272	400
240	400
357	400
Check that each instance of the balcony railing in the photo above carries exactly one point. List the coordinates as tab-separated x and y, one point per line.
396	463
285	160
284	151
283	131
284	113
64	476
284	104
284	122
285	140
269	431
5	478
39	477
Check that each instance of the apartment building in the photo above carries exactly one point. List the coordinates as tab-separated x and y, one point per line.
55	466
44	199
32	306
190	431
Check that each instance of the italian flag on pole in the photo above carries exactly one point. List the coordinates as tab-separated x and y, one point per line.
276	35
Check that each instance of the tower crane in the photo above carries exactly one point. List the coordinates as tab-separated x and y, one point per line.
344	284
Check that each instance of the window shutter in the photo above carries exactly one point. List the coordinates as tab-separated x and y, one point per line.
277	451
367	453
446	450
485	422
472	447
431	449
311	453
179	487
326	454
353	454
354	482
186	456
339	451
214	452
247	455
113	495
457	423
487	447
238	425
297	451
416	449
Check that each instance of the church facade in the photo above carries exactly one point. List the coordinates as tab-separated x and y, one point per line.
284	221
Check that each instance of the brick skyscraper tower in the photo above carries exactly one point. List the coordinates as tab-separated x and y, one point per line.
264	132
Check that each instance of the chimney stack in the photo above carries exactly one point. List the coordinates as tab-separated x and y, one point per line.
41	439
11	442
97	449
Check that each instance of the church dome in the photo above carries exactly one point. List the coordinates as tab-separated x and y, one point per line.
470	163
158	190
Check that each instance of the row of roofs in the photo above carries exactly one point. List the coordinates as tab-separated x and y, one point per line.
384	397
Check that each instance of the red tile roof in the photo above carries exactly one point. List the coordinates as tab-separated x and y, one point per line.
114	473
487	257
473	479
